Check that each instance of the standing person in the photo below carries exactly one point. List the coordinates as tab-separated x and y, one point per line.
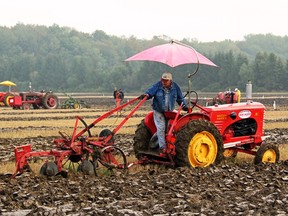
238	93
164	93
117	97
121	94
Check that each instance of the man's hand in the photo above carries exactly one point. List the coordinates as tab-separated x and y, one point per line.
142	96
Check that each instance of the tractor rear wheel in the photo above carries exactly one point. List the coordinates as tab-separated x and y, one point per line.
7	98
141	139
198	144
77	105
267	153
50	101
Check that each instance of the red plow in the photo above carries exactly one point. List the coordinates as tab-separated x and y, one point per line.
87	151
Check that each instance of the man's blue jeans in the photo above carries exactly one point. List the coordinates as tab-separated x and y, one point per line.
160	123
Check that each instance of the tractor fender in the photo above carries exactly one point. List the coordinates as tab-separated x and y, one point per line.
149	122
189	117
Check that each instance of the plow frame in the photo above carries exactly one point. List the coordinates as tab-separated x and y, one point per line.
81	146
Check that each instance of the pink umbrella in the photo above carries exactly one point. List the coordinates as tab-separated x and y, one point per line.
172	54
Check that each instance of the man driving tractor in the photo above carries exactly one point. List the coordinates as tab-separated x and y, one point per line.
164	93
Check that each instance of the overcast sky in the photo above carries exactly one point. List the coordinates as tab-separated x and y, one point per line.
204	20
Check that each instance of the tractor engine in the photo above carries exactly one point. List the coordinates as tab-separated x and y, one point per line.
238	121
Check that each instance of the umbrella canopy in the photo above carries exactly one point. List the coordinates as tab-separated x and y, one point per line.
172	54
7	83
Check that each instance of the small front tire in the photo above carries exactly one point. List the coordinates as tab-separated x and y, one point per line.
267	153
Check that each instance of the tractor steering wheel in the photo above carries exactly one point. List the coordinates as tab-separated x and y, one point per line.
193	102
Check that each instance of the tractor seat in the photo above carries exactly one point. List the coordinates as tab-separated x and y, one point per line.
171	114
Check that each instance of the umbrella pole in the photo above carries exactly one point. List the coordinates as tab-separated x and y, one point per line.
189	95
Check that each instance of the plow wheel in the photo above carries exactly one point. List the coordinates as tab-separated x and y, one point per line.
113	159
49	169
105	133
198	144
267	153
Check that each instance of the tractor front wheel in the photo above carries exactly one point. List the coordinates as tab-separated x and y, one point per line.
198	144
267	153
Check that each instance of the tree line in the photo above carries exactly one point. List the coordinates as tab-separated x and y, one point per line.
65	60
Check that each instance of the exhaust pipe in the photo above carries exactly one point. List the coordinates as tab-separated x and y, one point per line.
249	91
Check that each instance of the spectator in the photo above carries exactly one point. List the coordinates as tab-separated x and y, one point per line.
238	94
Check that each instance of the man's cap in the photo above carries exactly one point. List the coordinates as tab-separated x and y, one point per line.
167	76
236	89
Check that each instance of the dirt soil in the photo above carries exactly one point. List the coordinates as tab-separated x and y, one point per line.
225	189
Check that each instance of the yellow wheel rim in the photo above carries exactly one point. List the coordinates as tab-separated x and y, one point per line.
76	106
202	150
8	100
269	156
228	153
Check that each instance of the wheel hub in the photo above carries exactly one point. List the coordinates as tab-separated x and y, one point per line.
202	149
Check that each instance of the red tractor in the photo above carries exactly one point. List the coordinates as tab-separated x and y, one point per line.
204	137
35	100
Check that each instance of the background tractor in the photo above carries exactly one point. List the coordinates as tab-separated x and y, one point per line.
225	97
35	100
72	103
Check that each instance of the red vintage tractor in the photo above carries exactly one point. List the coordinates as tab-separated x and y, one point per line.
35	100
199	138
202	138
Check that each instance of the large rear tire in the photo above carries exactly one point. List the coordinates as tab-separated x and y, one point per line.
198	144
7	99
50	101
141	139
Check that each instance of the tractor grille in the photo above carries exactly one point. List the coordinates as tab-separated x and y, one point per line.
264	113
219	125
